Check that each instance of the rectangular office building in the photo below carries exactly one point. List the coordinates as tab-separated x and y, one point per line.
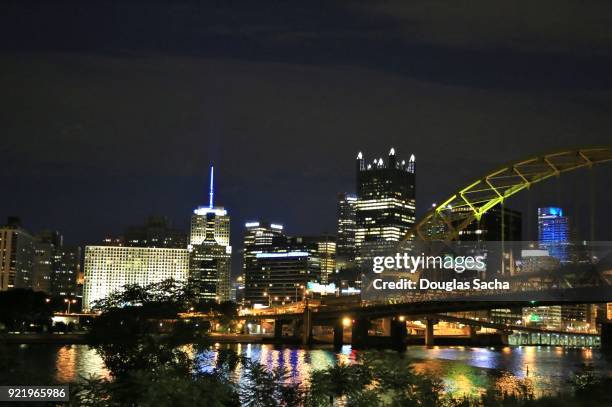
110	268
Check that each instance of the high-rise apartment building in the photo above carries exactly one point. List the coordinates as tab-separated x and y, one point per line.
110	268
385	206
17	256
210	250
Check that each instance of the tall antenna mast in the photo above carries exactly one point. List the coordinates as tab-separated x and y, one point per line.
211	192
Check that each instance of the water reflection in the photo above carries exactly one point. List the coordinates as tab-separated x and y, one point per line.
464	370
74	362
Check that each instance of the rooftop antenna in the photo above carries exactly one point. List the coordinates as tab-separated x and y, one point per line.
211	192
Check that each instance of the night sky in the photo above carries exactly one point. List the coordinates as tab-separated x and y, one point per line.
111	111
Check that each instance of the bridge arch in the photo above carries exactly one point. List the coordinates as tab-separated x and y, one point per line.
445	221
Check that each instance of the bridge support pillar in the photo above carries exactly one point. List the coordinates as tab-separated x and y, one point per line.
472	330
307	328
398	334
606	336
429	331
278	328
338	334
387	326
359	332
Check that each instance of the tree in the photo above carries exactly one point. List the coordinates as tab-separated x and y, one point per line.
22	310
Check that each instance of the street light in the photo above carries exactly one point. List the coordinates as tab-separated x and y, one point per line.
269	298
68	301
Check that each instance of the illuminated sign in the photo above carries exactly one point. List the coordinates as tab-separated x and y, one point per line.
321	288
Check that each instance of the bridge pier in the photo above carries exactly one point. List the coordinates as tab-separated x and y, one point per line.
307	328
278	327
429	331
472	330
359	332
606	336
398	334
338	334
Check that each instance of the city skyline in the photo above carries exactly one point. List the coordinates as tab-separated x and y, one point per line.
182	222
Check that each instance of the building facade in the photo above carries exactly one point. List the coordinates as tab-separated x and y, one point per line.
553	232
17	256
110	268
385	205
283	277
66	270
157	231
47	243
210	250
345	242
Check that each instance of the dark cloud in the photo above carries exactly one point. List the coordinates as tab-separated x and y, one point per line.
112	111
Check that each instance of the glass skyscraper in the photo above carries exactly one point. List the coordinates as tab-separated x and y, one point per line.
553	232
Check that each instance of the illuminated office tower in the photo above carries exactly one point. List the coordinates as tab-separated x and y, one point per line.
259	234
553	236
553	232
110	268
201	216
322	250
543	317
283	277
345	243
17	256
66	270
210	250
259	237
385	206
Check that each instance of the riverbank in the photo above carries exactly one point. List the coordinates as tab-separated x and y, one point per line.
374	342
45	338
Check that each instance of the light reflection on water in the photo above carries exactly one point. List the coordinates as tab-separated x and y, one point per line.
464	370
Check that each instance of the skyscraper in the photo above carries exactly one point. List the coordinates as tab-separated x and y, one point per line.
345	243
66	269
259	237
553	236
17	254
210	250
553	232
385	206
322	250
46	245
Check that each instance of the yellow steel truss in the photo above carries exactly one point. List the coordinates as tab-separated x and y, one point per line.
446	220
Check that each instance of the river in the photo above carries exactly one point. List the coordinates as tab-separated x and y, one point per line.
464	370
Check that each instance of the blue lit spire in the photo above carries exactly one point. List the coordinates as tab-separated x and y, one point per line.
211	193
